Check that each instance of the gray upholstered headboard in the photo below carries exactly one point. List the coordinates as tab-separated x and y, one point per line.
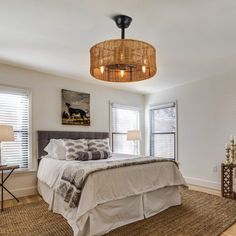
45	136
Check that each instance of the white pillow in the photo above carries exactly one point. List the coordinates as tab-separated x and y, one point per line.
56	149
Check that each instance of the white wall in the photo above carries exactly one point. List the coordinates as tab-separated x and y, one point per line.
206	118
46	110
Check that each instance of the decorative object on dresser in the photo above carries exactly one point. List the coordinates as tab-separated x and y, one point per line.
230	150
75	108
6	135
122	60
3	180
227	177
135	136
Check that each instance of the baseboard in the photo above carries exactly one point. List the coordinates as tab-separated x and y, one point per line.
205	189
22	192
203	183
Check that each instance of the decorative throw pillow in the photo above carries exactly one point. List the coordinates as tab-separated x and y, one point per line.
99	145
93	155
74	147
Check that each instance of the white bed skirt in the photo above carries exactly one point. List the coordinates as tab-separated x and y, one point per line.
110	215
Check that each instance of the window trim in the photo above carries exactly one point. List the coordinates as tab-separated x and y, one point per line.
28	91
120	105
162	106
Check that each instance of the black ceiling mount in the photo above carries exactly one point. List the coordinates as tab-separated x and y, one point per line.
122	22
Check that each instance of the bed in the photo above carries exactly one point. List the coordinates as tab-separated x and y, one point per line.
111	197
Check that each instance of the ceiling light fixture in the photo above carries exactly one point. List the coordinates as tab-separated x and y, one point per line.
122	60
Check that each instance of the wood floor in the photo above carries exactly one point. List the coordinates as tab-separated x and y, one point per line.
34	198
23	200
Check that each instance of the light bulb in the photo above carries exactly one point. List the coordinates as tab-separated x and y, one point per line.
102	69
144	69
122	72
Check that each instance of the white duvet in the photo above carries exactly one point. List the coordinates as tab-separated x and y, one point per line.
50	170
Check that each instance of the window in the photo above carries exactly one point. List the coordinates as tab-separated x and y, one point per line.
163	131
124	118
14	111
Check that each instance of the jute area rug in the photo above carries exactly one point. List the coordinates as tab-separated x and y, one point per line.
200	214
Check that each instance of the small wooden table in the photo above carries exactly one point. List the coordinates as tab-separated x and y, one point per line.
3	180
227	176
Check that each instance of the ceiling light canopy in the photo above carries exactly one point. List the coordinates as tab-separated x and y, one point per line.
122	60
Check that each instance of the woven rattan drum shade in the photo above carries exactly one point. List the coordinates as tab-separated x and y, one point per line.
122	60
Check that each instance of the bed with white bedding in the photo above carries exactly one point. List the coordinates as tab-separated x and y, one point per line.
114	193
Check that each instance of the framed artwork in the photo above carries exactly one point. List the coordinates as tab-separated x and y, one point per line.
75	108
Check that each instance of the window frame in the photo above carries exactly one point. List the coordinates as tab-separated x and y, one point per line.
27	91
162	106
111	133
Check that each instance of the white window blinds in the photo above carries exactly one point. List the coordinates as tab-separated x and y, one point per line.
14	111
124	118
163	131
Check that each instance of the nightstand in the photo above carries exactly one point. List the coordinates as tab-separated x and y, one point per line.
227	176
3	180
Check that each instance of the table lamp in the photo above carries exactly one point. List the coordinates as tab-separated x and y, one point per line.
6	135
134	135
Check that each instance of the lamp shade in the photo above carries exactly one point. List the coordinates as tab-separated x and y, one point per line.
134	135
123	60
6	133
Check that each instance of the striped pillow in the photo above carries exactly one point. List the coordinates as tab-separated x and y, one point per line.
99	145
93	155
74	147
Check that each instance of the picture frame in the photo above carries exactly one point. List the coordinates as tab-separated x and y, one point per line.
75	108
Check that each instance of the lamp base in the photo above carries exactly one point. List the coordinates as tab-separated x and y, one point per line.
1	165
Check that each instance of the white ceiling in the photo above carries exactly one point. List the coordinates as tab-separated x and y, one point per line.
195	39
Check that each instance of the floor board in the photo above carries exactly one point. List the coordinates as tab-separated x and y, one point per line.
23	200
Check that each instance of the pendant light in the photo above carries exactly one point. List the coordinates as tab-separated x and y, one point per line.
122	60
